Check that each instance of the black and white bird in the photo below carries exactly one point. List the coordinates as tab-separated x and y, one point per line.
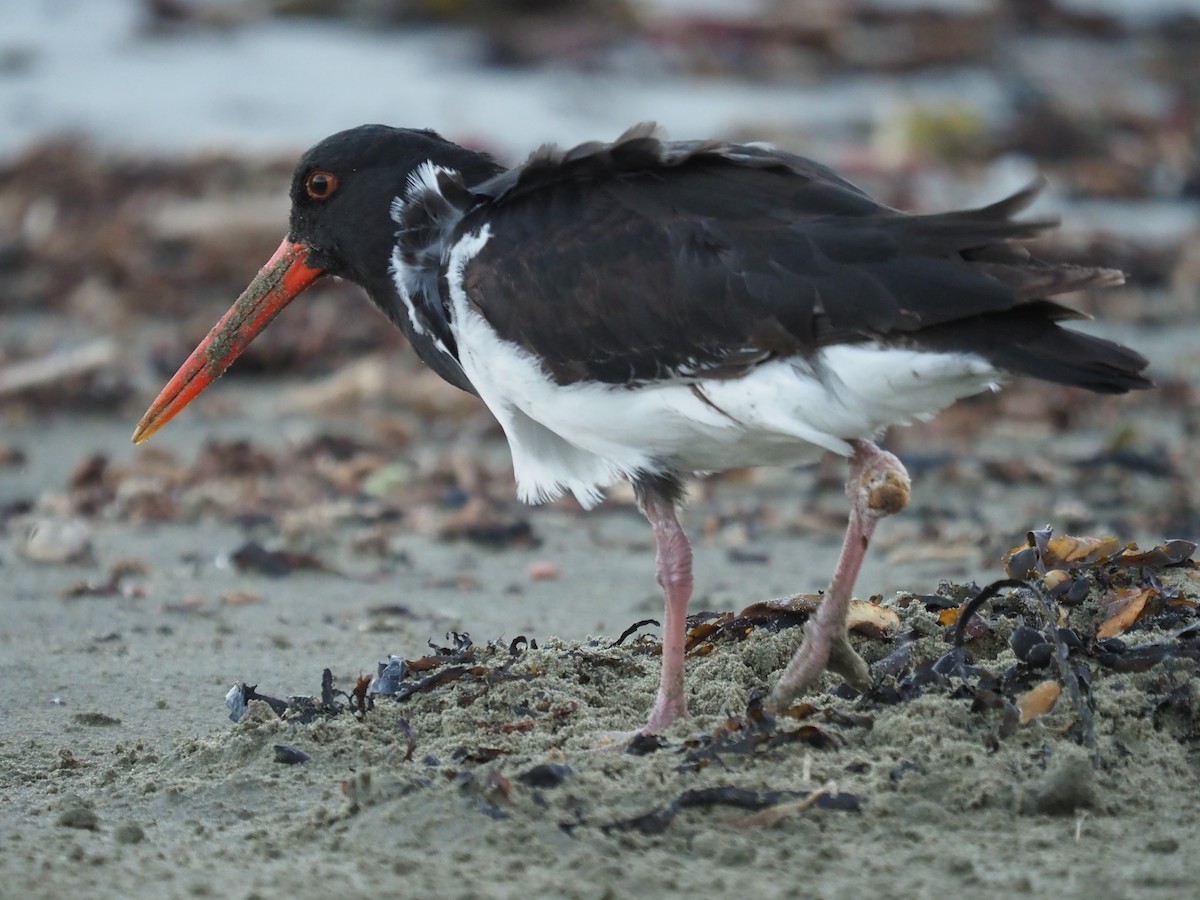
646	309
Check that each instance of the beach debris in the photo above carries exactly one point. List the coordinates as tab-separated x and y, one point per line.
253	557
491	532
772	816
747	557
117	582
462	660
53	541
1069	566
1119	657
1038	700
76	812
758	728
67	760
543	570
1170	553
57	367
642	744
192	605
1043	553
235	701
634	629
360	699
1123	607
128	833
96	719
410	739
477	754
1103	588
865	618
289	755
303	710
239	458
11	456
240	598
546	775
238	698
1068	786
1052	627
388	617
389	675
659	819
1031	646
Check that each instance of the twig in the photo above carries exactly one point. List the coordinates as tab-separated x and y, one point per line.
56	367
1083	709
774	815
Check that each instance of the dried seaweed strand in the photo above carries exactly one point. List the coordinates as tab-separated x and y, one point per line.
972	606
781	812
57	367
1061	651
631	629
1061	655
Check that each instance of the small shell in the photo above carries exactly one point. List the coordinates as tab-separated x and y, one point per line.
55	541
1038	700
1057	581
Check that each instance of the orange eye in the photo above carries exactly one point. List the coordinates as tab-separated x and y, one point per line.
321	184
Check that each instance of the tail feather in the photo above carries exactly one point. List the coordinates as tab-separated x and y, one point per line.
1028	341
1034	280
1025	338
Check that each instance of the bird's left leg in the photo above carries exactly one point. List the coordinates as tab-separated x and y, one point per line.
674	569
878	487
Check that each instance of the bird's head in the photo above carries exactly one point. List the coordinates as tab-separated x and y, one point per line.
342	191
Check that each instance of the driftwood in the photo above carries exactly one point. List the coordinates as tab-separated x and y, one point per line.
62	365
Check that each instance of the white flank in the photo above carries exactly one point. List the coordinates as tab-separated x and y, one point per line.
586	436
425	178
402	275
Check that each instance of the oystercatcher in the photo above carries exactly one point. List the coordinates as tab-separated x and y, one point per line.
646	309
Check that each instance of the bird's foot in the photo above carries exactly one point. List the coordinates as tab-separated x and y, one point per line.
845	661
669	705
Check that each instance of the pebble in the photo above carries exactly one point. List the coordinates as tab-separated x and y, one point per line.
544	570
128	833
77	813
1069	785
55	541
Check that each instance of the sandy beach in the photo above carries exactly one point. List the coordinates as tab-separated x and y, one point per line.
331	505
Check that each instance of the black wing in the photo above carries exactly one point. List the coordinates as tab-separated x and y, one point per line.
643	260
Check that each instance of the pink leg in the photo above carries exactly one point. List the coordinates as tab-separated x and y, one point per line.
674	567
878	487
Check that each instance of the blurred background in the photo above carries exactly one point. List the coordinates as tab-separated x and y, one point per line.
146	147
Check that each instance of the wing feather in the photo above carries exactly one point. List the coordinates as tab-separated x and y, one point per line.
643	260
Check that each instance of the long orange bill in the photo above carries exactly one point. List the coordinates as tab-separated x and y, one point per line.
277	283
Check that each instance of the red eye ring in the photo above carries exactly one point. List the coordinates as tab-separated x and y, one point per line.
320	184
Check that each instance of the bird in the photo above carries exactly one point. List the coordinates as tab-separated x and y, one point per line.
645	309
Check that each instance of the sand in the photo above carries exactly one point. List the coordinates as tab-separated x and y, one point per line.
126	618
123	775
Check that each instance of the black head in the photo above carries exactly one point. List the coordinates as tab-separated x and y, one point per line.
343	187
341	224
